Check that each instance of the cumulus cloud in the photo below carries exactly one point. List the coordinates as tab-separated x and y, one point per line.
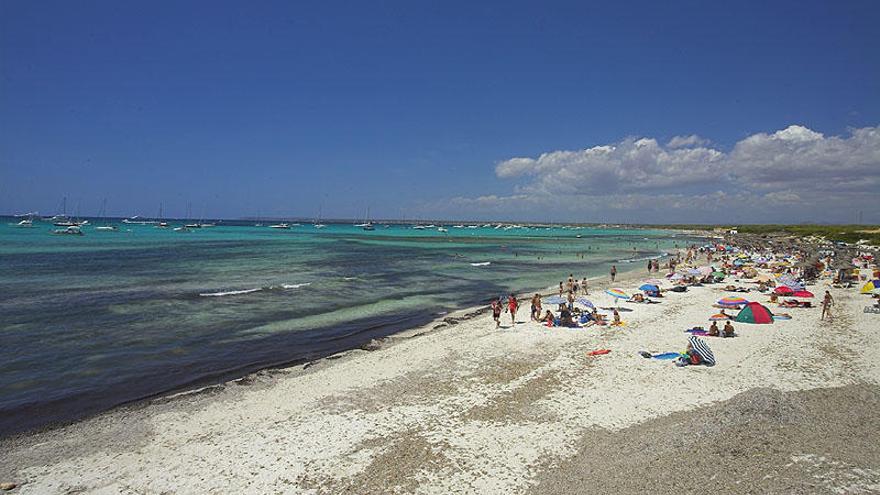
795	171
686	141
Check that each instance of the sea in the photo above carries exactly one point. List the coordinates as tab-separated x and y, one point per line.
94	321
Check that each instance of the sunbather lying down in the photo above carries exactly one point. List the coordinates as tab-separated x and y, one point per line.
733	288
792	303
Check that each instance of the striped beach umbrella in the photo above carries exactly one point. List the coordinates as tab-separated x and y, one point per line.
702	349
617	293
732	301
719	317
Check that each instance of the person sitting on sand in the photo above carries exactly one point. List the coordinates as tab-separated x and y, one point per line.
549	318
698	352
617	321
728	329
598	318
638	298
723	313
774	298
565	318
713	329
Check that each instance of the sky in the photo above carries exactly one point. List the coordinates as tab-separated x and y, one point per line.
639	112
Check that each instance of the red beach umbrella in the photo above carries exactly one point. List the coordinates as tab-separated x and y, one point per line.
802	293
783	290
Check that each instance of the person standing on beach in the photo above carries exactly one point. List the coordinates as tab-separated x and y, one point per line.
536	308
826	305
613	272
561	290
496	312
512	306
584	286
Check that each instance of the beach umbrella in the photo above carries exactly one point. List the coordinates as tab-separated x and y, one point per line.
802	293
617	293
732	301
653	281
783	290
555	300
754	313
705	270
678	276
702	349
718	317
870	286
649	288
586	302
693	271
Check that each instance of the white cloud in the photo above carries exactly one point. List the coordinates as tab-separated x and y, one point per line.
794	174
686	141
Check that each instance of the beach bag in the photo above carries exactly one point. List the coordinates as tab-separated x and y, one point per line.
694	358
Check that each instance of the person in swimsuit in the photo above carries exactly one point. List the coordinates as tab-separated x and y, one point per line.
827	302
584	287
536	308
728	329
512	306
613	272
713	329
496	312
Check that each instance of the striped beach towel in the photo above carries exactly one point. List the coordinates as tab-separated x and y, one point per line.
702	348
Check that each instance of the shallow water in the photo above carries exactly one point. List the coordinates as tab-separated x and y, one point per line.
94	321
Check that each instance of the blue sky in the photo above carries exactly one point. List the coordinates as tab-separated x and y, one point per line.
414	108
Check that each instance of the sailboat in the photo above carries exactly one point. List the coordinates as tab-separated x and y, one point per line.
107	227
63	220
368	224
188	226
162	223
282	225
318	224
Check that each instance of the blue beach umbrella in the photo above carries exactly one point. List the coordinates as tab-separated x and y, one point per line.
649	287
555	300
586	302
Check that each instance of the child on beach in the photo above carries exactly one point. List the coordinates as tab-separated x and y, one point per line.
496	312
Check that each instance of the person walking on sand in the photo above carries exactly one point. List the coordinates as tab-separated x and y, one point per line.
536	308
827	302
496	312
613	272
512	306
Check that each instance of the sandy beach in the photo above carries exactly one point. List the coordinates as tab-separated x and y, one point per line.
461	407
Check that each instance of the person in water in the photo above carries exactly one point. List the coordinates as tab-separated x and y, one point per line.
512	306
496	312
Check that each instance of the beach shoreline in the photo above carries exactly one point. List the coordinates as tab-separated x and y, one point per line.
456	406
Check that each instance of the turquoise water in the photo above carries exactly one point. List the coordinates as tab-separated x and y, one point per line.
92	321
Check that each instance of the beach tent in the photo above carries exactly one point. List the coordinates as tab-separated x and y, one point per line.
870	286
754	313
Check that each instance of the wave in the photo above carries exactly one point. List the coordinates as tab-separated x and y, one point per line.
251	291
644	258
482	263
230	292
295	286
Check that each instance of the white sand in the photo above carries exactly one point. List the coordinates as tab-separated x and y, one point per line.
462	409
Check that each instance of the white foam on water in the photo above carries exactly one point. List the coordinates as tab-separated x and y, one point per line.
482	263
230	292
295	286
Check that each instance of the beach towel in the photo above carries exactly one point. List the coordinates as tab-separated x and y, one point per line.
666	355
702	348
599	352
694	331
